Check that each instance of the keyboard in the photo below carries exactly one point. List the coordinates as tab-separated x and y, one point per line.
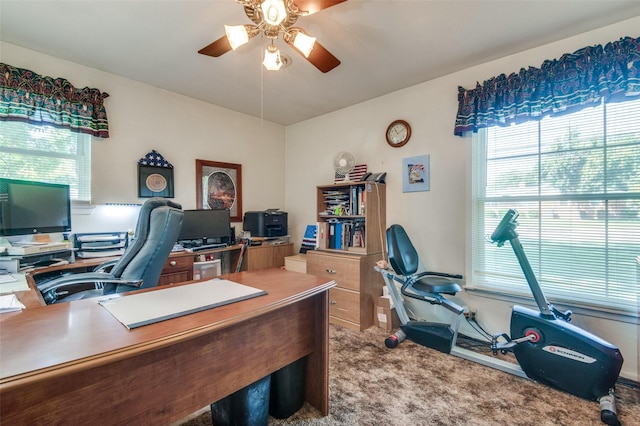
208	247
49	262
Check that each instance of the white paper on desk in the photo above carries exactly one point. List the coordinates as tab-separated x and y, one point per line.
10	303
136	310
20	284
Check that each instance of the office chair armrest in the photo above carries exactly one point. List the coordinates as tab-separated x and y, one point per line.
98	278
132	283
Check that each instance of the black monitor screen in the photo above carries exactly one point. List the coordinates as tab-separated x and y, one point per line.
33	207
212	224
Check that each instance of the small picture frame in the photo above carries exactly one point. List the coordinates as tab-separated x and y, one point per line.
155	182
219	186
415	173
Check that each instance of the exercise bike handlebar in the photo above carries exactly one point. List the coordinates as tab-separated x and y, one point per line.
506	231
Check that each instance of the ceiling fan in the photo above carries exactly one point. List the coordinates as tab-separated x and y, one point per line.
272	18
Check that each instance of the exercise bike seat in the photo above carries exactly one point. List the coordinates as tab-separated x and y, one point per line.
404	260
429	283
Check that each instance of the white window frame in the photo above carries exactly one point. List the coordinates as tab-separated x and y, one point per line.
504	278
76	154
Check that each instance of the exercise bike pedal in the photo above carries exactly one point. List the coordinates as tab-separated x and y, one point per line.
506	347
502	347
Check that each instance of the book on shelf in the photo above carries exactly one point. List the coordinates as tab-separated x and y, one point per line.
338	236
323	235
332	236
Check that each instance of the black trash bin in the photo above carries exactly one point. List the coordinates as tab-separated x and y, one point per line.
247	407
287	389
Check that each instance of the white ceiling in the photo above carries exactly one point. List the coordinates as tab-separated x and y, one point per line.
384	45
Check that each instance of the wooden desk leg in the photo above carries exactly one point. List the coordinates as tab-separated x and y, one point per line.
317	374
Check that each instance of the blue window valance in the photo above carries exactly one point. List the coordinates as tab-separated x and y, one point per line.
575	81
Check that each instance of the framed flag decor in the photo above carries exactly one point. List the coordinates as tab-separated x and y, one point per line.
155	176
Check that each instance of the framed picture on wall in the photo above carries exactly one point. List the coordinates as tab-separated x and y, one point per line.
219	186
415	173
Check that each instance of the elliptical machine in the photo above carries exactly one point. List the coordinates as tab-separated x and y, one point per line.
547	347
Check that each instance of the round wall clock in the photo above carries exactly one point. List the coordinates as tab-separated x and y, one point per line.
398	133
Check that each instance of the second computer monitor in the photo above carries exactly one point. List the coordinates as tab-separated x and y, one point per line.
206	226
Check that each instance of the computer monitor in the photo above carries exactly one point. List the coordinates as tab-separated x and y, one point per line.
206	226
28	207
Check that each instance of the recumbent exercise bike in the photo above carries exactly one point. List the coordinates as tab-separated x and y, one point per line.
547	347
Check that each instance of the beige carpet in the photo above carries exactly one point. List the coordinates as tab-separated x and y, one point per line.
414	385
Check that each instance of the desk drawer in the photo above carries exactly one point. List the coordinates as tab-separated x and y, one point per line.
345	270
344	304
177	269
178	264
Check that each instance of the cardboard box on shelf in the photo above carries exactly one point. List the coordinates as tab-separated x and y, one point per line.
386	317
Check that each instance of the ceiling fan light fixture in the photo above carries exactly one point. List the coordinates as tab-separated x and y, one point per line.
272	60
237	35
272	19
273	11
304	43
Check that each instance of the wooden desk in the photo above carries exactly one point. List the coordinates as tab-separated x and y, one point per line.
74	363
178	268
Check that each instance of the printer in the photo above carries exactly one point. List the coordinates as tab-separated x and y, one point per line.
268	223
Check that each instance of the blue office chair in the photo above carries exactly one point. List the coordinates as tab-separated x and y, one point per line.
159	223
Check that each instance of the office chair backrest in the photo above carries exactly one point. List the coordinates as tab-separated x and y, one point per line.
159	223
402	254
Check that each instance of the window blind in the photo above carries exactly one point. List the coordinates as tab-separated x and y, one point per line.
575	180
47	154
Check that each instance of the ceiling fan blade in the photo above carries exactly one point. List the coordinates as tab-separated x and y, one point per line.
319	57
217	48
313	6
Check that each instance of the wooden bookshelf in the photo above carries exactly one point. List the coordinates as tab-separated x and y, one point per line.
354	206
352	217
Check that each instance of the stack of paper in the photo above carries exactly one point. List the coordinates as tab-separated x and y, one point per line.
10	303
7	278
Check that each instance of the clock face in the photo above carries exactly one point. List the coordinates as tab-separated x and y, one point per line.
398	133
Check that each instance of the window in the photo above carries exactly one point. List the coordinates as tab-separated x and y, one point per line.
47	154
575	180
